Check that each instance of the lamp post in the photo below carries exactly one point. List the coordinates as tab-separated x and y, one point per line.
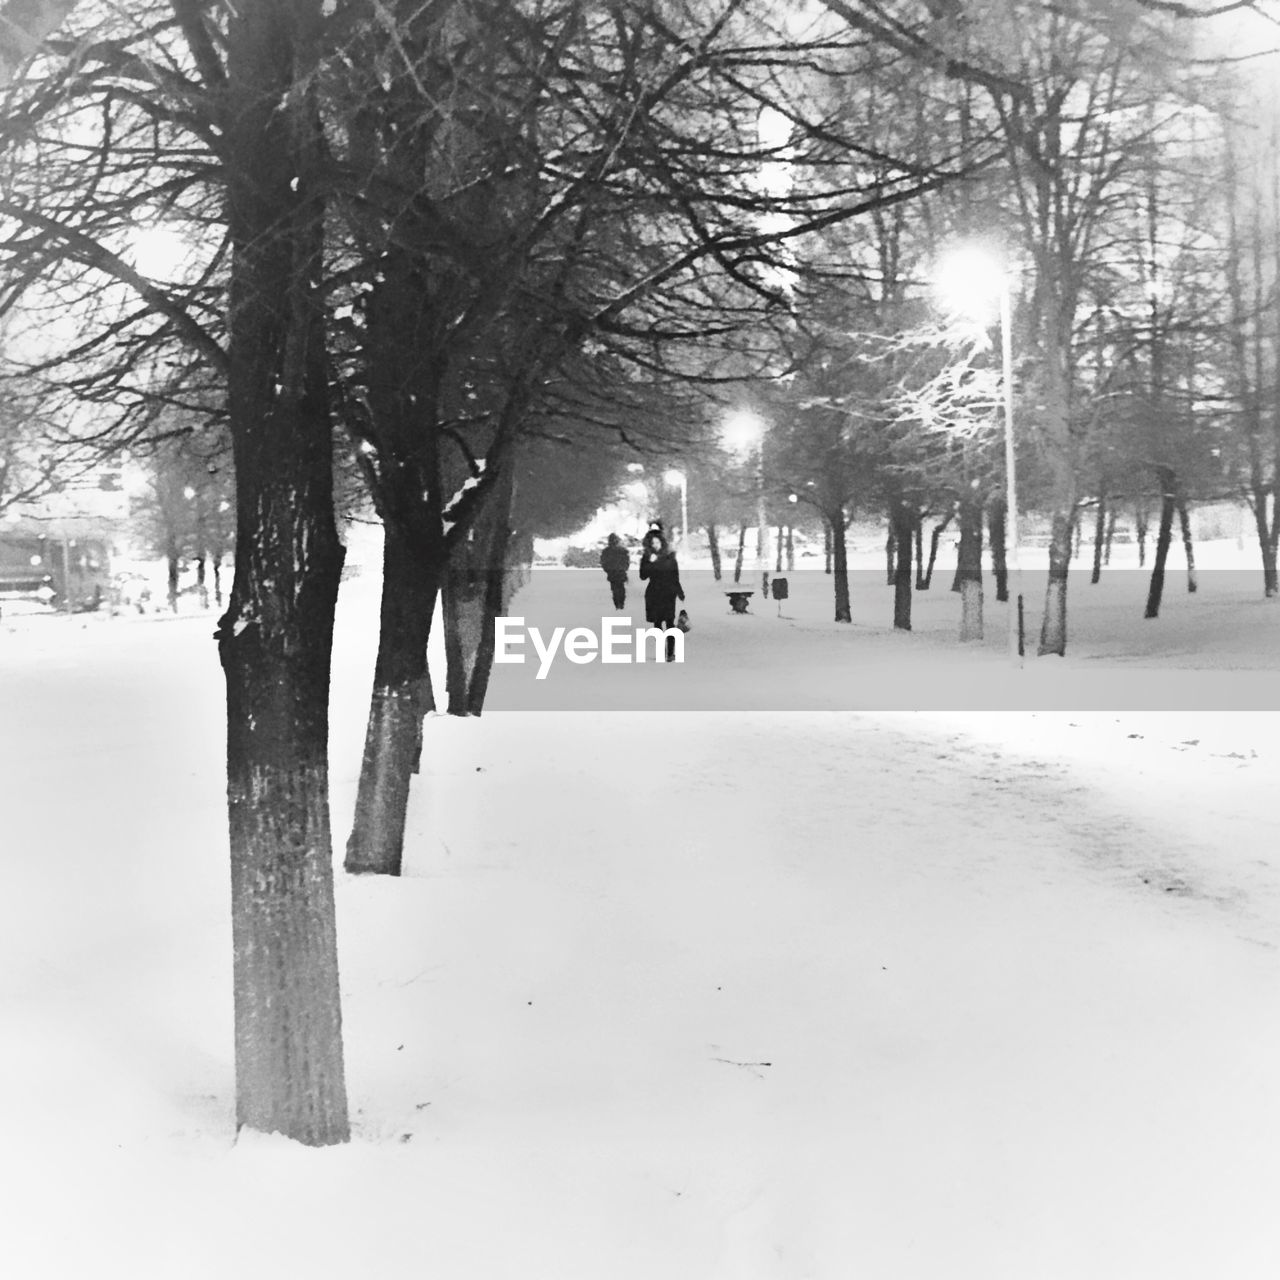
967	280
792	498
674	477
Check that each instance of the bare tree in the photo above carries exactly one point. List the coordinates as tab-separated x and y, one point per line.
593	188
1253	331
24	26
1079	104
229	101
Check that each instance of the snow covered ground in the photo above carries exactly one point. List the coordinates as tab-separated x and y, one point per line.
715	991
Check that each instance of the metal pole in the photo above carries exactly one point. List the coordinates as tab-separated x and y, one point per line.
1010	467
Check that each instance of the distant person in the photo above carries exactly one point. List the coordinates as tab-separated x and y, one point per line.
658	565
615	560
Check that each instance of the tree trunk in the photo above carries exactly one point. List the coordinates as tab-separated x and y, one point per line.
781	549
497	541
890	554
1111	533
463	618
520	559
840	558
172	558
1099	533
905	525
1053	627
1269	554
476	589
713	544
1056	440
68	595
1168	501
999	563
742	550
1266	542
1275	536
399	702
917	537
934	538
406	488
969	569
201	584
791	548
1188	546
275	640
1140	530
217	580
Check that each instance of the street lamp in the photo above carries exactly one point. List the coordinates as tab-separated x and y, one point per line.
158	251
968	279
744	431
674	477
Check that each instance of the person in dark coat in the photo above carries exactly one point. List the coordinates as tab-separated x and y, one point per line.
658	565
615	560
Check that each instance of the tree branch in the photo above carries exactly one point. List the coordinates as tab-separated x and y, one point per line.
84	249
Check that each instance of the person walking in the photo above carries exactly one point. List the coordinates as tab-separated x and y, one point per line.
658	565
615	560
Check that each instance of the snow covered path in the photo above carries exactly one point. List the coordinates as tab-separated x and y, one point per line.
713	996
1007	1036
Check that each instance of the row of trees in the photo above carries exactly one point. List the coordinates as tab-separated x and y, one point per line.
468	240
1136	183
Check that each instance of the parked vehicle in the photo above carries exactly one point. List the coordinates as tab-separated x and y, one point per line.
55	571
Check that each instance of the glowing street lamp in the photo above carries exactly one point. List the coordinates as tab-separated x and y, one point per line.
968	281
743	431
158	251
674	477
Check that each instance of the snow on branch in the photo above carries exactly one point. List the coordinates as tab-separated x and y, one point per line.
460	500
960	394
